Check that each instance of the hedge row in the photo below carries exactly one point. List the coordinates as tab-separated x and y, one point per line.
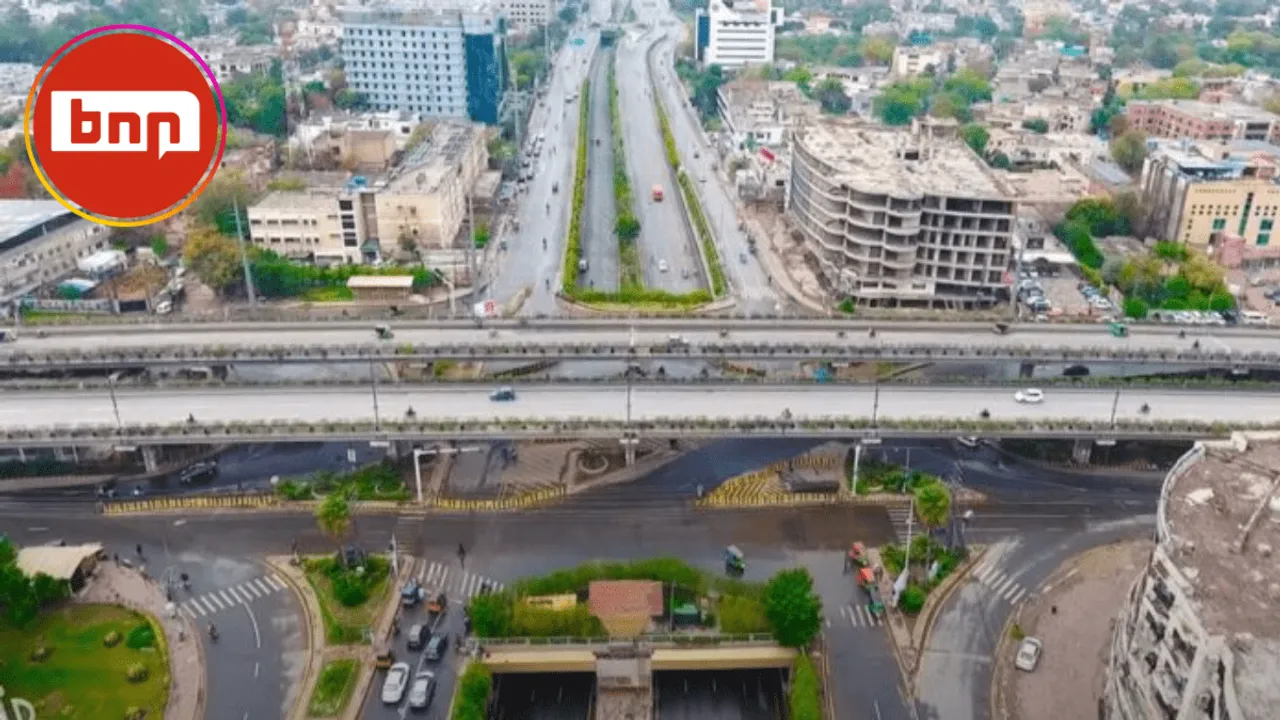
803	697
691	203
573	248
474	688
626	226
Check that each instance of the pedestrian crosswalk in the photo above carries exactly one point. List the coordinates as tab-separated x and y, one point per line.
999	584
900	519
860	616
437	576
215	601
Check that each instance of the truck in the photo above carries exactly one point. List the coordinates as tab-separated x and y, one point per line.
657	193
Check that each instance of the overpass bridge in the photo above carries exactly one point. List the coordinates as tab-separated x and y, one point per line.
379	414
220	344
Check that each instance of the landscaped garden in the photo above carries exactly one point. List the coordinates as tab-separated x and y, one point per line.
333	688
471	701
350	596
86	662
931	563
379	481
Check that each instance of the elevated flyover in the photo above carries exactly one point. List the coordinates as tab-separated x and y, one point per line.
528	658
443	411
205	344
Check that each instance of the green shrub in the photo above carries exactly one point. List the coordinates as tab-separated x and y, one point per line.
137	672
141	636
472	699
576	579
742	615
911	601
528	621
111	639
802	697
490	615
40	653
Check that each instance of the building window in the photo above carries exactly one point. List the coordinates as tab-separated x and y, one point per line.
1219	224
1265	226
1264	239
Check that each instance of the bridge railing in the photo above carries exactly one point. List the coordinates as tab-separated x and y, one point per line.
660	640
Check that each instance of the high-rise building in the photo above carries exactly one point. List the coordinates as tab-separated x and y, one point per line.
428	61
733	33
524	15
1197	638
900	218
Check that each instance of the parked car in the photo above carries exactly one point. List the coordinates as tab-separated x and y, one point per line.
1029	654
199	472
411	594
418	637
967	441
393	687
423	690
436	648
662	266
1029	396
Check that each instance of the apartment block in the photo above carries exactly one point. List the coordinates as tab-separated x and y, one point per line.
900	218
733	33
912	61
1202	192
525	15
1198	637
1197	120
422	205
41	241
434	62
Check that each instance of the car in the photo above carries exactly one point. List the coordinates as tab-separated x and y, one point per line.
503	394
438	604
1028	654
968	441
436	648
198	472
1031	396
662	266
423	690
397	680
412	593
742	258
418	637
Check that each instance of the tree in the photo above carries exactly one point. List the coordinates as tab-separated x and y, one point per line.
216	205
877	50
1130	150
793	609
933	504
899	102
801	76
969	84
832	97
333	517
490	615
1036	125
213	257
1135	307
159	246
22	595
1000	161
976	137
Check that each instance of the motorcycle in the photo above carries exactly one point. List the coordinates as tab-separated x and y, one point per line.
213	632
1146	408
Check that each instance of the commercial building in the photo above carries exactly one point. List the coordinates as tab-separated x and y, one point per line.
896	217
41	241
434	62
759	113
733	33
1199	192
525	15
912	61
1198	637
1197	120
421	205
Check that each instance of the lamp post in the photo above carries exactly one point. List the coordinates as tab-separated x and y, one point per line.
419	452
373	384
115	406
1115	405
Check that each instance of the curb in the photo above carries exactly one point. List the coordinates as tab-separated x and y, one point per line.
999	664
930	614
307	681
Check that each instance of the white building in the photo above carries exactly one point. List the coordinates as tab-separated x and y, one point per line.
1198	637
909	61
733	33
41	241
525	15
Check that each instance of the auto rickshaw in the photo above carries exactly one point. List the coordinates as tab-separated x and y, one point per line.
383	332
1118	329
735	563
1000	328
857	555
385	658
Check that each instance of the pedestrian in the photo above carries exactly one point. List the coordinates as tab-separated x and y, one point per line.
138	547
1053	610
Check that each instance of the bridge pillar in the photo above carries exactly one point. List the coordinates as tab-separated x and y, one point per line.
1082	452
150	461
629	449
1026	369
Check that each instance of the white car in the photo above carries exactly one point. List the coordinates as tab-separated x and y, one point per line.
1028	654
662	266
1031	396
393	687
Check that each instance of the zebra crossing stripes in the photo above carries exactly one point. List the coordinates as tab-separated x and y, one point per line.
215	601
1001	585
860	616
452	582
900	519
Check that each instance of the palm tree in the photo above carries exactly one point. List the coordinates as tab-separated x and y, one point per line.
933	506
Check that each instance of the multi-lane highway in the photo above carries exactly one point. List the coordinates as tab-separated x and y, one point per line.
616	404
912	340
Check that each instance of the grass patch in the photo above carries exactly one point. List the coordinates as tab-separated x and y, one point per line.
333	688
471	700
81	678
346	623
327	294
742	615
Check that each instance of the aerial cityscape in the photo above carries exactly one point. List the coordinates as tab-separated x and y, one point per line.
639	359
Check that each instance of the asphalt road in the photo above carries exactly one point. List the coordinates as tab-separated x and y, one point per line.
19	410
664	232
543	213
1078	339
749	281
599	243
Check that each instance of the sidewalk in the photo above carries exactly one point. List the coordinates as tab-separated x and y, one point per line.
116	585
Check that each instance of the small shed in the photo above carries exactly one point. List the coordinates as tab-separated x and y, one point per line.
625	607
73	563
381	288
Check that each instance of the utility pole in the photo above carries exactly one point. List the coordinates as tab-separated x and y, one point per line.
471	246
1115	405
373	381
244	256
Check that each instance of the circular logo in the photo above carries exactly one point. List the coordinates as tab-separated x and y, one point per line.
125	125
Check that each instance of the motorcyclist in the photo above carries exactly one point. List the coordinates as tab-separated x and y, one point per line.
213	631
544	243
1145	408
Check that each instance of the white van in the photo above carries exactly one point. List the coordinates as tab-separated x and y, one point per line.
1252	317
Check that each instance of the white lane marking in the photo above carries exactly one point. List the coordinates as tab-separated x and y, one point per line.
1007	595
276	581
224	596
1000	586
257	637
212	600
263	586
247	588
1018	598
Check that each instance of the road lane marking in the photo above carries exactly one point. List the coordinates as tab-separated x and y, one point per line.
1018	598
212	602
1007	595
275	581
224	596
263	586
257	637
248	589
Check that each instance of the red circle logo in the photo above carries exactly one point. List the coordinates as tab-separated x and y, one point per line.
125	124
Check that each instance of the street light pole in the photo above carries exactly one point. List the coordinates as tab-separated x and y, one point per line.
1115	404
875	407
373	383
417	465
115	406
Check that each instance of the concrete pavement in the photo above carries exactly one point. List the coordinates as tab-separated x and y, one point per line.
160	406
599	244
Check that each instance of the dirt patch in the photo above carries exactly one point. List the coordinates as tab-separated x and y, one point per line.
1072	616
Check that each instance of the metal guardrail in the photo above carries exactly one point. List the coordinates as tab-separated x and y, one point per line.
1180	468
530	352
662	639
847	428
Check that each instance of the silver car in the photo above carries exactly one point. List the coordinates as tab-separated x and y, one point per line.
423	690
393	687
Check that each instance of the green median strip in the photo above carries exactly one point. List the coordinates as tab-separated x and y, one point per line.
700	226
627	225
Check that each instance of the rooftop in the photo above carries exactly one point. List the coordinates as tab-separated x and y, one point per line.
19	216
1225	513
1215	111
59	563
424	166
865	155
625	597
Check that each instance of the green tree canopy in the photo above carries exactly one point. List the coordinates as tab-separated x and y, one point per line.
333	517
976	137
213	257
898	103
969	84
793	608
1130	150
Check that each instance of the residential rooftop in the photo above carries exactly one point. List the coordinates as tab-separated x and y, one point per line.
1225	515
1215	111
866	155
19	216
